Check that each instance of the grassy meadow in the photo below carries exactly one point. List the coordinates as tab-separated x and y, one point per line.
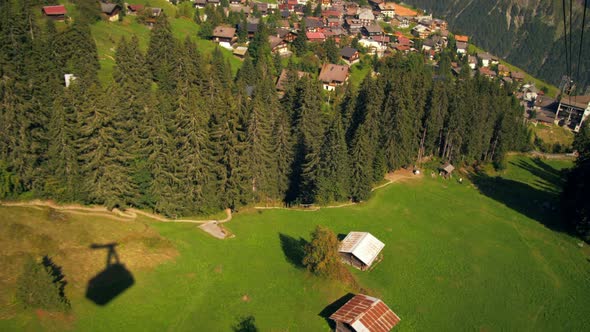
487	254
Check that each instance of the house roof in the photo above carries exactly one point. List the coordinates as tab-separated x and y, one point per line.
484	56
462	38
366	313
381	39
135	8
315	35
404	11
374	28
461	45
487	71
55	10
224	32
517	75
108	8
362	245
348	51
274	41
240	50
313	22
333	73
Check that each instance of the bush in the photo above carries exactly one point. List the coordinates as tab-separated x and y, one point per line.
41	286
321	253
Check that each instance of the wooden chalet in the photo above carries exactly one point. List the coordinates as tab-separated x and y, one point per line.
349	54
57	12
134	9
110	11
462	38
364	313
224	34
316	37
517	76
278	45
503	70
332	75
372	30
360	250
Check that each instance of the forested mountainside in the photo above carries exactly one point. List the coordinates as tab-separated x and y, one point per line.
528	34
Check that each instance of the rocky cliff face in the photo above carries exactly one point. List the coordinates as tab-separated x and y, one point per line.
527	33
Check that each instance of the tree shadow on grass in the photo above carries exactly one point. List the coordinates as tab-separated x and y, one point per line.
333	307
245	324
56	273
542	170
293	249
112	281
542	205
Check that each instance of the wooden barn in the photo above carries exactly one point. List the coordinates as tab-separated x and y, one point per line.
364	313
360	249
57	12
446	169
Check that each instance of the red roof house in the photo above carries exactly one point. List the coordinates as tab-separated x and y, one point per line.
57	12
315	36
364	313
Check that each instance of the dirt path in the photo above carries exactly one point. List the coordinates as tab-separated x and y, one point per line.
116	214
393	177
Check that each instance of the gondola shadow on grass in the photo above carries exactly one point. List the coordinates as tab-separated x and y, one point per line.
110	282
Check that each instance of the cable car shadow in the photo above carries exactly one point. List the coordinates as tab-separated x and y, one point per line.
112	281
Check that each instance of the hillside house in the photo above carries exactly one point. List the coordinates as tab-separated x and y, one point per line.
372	30
134	9
332	76
278	45
503	70
366	16
462	38
461	48
316	37
472	62
487	72
573	111
349	54
224	34
360	250
421	31
110	11
517	76
440	25
387	9
313	24
486	58
55	12
353	25
364	313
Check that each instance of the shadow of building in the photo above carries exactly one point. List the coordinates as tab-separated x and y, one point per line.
112	281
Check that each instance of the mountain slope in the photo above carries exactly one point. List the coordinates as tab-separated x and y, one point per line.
527	33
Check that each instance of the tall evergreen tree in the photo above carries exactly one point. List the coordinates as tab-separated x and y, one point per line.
334	168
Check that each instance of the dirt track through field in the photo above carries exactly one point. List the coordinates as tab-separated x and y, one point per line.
393	177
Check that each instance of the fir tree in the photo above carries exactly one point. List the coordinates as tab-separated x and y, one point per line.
334	168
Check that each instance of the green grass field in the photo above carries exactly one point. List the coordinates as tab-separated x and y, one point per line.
484	255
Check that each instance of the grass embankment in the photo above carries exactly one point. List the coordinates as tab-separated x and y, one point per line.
107	35
482	255
553	138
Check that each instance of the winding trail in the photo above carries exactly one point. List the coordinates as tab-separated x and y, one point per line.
393	177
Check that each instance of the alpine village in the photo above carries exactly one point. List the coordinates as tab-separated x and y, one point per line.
292	165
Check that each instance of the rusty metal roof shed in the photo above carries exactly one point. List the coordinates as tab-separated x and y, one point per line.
362	245
367	314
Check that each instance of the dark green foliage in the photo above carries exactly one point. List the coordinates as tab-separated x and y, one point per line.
575	204
334	168
321	253
40	286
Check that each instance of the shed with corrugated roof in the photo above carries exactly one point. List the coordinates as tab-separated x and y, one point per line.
360	249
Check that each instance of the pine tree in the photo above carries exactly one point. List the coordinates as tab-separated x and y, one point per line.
161	54
309	128
361	173
334	168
